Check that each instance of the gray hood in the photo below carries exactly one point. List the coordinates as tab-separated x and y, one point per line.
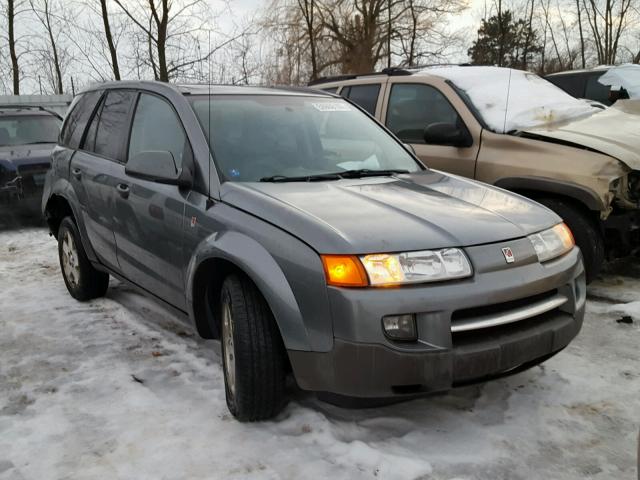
382	214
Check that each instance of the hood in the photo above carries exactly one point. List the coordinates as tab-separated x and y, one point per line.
419	211
15	157
614	132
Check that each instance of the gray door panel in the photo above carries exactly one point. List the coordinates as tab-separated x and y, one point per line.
94	179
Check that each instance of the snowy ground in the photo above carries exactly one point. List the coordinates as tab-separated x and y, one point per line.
116	388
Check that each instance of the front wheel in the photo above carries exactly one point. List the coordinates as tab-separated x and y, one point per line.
83	281
585	231
252	352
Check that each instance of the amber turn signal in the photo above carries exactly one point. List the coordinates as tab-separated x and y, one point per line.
344	271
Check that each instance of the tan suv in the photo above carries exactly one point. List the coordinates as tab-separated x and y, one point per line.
517	131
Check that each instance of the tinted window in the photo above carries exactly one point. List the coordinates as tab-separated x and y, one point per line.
77	119
28	129
364	95
156	127
89	143
597	91
413	107
330	89
572	84
112	125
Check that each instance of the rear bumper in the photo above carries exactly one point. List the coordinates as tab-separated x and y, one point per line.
364	364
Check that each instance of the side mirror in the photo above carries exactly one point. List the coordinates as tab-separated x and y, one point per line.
447	134
158	166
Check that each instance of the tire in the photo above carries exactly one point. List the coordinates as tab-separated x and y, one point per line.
253	354
585	231
82	280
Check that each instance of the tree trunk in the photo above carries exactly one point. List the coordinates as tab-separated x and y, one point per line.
161	44
54	49
15	70
584	63
112	47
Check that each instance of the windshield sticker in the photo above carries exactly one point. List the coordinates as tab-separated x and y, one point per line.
332	107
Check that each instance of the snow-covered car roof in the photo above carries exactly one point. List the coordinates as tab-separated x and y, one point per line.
509	99
626	76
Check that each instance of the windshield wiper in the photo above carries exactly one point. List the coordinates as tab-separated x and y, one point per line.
304	178
360	173
366	172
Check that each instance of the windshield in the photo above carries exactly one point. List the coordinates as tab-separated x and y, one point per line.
510	100
28	129
254	137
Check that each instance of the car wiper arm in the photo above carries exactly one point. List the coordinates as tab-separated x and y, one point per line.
366	172
363	172
303	178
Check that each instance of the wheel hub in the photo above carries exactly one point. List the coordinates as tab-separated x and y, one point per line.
70	262
229	351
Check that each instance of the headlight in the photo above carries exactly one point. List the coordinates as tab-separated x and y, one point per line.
553	242
416	267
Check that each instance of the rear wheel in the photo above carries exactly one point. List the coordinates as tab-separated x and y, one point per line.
82	280
585	231
252	352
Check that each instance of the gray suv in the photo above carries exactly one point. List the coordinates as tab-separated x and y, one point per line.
297	230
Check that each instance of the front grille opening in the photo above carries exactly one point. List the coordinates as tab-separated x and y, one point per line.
497	308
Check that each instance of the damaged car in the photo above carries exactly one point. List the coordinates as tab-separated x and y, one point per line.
313	244
27	136
517	131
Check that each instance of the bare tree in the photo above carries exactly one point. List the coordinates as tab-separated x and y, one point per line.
608	21
52	24
109	37
12	7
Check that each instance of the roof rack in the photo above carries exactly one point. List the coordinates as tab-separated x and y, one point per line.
392	71
15	106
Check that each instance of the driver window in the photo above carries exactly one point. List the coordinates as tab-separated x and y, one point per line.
157	127
413	107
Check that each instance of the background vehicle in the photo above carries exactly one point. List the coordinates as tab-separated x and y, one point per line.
315	243
583	84
516	131
27	136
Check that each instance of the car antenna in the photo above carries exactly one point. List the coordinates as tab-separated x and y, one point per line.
506	108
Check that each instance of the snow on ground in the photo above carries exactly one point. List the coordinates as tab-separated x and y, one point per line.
118	389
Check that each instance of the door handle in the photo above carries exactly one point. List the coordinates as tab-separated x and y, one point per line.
76	173
123	190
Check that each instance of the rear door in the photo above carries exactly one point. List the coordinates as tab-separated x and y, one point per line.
149	216
96	168
412	104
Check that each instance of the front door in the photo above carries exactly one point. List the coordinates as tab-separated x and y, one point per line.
149	220
411	107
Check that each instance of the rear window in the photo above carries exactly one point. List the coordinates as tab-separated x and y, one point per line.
28	129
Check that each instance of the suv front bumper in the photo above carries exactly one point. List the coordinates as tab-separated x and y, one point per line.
365	364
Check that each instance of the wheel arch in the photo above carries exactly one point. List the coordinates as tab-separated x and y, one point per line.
533	187
233	252
62	201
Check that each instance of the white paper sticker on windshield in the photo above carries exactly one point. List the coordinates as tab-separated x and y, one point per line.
332	107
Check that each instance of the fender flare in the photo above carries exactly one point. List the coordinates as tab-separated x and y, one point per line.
62	188
257	263
582	194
